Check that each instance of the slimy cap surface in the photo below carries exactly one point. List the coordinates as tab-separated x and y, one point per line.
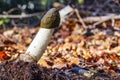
51	19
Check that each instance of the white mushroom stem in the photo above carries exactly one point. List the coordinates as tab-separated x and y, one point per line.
40	42
37	47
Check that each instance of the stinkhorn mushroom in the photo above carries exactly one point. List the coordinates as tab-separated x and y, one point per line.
37	47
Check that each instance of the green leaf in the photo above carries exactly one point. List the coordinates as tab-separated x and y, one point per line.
61	1
1	22
44	2
80	1
6	20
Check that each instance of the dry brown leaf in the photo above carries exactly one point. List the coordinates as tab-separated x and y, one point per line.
43	63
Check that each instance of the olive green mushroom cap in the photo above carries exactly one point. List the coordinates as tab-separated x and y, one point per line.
51	19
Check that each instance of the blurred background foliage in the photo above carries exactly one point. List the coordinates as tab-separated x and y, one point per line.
18	7
31	6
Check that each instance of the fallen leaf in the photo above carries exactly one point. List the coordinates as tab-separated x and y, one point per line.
3	55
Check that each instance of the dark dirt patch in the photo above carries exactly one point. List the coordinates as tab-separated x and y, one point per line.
20	70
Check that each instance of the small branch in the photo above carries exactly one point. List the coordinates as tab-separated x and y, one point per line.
101	18
10	11
113	22
20	16
80	19
101	21
111	17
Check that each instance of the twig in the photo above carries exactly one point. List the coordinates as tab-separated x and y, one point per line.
100	18
101	21
113	22
9	11
71	14
20	16
80	19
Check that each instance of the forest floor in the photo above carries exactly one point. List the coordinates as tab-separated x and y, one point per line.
77	50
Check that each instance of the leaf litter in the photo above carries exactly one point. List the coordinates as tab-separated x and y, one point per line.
70	54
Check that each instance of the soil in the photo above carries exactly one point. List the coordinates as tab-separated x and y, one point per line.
19	70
